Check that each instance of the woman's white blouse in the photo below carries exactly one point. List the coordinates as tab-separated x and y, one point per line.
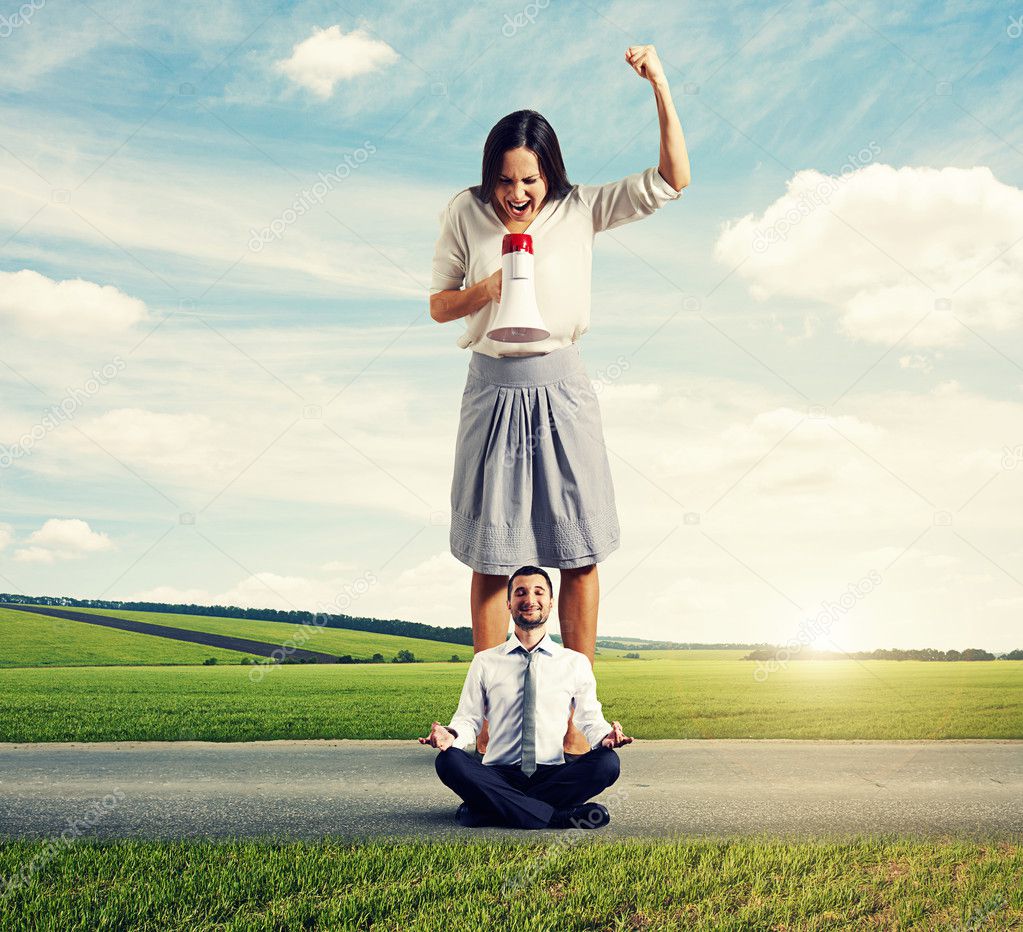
469	250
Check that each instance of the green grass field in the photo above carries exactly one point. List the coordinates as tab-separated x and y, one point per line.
71	681
653	699
646	655
359	644
158	690
698	884
38	640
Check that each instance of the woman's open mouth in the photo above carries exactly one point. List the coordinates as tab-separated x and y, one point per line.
518	208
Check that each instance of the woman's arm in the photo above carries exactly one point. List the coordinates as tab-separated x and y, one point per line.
454	303
674	163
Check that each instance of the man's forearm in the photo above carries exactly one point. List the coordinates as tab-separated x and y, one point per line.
595	732
462	737
452	304
468	717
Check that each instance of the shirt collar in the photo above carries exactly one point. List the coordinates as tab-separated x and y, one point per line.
546	644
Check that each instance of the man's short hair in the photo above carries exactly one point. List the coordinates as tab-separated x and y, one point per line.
530	571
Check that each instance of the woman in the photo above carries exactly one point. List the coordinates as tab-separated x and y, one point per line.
532	484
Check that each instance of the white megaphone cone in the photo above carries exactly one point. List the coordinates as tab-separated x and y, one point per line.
518	318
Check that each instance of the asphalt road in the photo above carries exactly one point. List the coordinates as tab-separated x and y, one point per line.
359	789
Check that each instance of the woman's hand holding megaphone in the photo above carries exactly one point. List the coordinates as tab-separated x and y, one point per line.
493	286
518	319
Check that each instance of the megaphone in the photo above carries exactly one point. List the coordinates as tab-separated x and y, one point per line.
518	318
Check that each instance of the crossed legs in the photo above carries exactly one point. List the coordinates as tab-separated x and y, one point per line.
502	795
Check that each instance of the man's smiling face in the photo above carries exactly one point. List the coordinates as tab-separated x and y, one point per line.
530	602
521	187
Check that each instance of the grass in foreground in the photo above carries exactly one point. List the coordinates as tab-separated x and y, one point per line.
874	699
720	884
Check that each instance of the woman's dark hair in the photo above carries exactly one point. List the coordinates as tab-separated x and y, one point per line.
523	128
530	571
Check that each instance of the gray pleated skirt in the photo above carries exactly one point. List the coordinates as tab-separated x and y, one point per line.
532	483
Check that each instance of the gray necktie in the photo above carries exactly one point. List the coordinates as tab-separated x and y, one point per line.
528	718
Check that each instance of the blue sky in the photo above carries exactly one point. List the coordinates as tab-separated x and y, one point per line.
810	366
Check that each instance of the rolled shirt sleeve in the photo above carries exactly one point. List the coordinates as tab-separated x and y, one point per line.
449	257
468	718
589	714
634	197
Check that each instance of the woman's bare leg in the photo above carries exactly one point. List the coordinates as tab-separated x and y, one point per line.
488	603
577	613
577	609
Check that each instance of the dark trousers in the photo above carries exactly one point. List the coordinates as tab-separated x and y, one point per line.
501	794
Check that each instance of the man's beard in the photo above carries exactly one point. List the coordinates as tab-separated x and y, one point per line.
526	625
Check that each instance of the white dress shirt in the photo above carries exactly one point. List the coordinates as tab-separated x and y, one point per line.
493	690
469	250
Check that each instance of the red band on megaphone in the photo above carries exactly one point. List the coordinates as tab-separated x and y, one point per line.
517	242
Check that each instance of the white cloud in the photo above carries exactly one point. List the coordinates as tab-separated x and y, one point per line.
890	249
260	590
43	47
41	306
416	579
157	219
266	589
172	595
916	361
1015	601
329	56
62	539
397	598
778	521
340	567
255	437
686	594
276	590
34	555
6	535
174	445
401	596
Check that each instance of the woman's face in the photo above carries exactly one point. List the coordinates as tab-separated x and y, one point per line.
521	187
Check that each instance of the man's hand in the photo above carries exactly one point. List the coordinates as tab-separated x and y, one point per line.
615	738
644	59
440	737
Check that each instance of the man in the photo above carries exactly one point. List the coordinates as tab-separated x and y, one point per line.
525	688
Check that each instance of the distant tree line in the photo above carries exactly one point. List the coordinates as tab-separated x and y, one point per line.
463	636
672	645
925	653
403	656
396	626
